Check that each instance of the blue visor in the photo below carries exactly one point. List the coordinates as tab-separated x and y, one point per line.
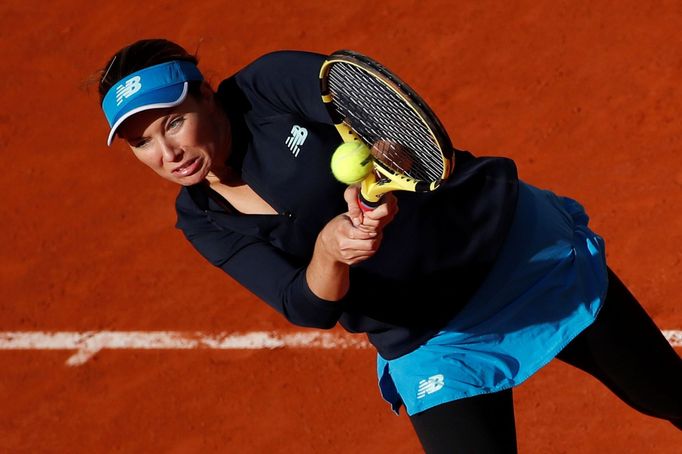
155	87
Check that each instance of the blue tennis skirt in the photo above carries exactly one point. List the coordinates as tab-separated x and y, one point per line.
546	286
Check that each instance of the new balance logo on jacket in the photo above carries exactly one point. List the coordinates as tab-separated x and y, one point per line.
296	139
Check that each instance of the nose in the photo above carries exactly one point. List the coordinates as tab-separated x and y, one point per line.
170	152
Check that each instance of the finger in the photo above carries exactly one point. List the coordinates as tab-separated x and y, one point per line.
357	254
349	247
378	213
360	233
392	202
350	195
355	251
388	207
346	230
370	226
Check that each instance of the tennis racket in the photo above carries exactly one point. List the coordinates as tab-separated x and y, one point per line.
410	148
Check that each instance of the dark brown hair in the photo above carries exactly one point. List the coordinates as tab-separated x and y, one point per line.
139	55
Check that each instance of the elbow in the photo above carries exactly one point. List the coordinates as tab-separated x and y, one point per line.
326	320
303	308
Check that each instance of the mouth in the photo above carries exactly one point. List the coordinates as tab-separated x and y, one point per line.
187	168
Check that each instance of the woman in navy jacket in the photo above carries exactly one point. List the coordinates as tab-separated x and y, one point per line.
464	292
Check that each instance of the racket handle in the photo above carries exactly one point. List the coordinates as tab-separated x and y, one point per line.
366	205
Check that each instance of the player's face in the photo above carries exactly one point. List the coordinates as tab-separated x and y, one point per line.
180	143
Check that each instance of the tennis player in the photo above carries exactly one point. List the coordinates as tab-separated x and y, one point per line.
465	292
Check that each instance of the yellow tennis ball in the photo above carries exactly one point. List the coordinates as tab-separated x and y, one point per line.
351	162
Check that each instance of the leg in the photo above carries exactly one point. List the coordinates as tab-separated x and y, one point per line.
627	352
480	424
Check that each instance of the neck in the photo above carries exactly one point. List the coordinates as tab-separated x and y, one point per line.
223	175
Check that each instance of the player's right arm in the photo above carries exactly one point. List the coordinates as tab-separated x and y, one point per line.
339	245
307	294
346	240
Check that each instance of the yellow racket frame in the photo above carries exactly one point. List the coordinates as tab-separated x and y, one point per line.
383	179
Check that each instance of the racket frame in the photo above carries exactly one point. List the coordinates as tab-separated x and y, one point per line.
384	178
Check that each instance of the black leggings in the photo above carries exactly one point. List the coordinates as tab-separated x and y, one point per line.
623	349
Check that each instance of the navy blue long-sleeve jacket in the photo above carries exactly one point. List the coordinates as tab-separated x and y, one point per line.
433	256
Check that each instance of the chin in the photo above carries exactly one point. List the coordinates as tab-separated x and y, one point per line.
191	180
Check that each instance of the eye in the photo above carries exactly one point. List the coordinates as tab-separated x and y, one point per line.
176	122
141	143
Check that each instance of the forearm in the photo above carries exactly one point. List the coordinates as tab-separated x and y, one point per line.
327	278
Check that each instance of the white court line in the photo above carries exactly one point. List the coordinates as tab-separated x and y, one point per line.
88	343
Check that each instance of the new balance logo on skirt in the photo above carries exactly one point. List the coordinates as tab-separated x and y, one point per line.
430	385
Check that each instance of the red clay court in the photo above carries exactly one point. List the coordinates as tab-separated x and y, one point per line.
585	96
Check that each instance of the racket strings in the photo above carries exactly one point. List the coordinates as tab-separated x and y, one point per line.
377	113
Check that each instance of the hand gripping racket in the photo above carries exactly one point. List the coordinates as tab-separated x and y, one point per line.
410	148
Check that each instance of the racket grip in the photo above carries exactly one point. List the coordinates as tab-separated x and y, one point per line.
366	205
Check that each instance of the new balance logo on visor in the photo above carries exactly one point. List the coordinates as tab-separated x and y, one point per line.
131	87
296	139
430	385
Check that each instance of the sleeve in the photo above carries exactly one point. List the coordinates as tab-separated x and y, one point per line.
286	82
261	268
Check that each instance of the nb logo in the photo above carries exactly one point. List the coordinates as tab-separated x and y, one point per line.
430	385
131	87
296	139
